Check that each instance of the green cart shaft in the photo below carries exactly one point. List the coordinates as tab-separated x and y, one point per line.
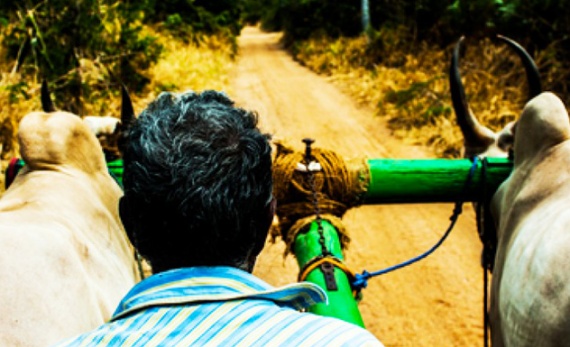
341	302
394	181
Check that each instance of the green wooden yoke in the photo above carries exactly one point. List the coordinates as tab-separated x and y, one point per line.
116	170
396	181
431	180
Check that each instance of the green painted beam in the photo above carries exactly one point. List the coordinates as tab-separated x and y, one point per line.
416	180
395	181
116	170
341	303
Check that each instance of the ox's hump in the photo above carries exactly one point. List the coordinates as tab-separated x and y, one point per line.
544	123
52	140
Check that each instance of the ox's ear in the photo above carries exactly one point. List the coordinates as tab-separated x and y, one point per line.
47	103
127	110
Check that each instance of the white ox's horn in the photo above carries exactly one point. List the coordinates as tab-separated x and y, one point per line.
127	118
127	110
476	135
47	103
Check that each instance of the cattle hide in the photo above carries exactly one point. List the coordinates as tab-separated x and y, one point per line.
66	261
530	290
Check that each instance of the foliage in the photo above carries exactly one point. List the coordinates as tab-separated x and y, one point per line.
254	12
83	49
191	66
300	19
205	16
189	20
414	96
536	23
398	65
59	41
420	101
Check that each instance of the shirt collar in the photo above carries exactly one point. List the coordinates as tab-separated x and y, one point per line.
214	284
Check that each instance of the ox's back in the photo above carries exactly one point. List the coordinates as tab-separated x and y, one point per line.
531	280
66	261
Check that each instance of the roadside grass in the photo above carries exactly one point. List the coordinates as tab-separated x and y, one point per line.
408	84
197	66
203	63
405	83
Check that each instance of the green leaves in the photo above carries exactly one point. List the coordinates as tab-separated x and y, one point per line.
62	34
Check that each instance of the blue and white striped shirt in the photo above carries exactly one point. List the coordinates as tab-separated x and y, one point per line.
220	306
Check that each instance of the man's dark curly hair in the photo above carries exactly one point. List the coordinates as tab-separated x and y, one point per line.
197	180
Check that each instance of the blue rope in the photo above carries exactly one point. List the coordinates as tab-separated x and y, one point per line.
361	280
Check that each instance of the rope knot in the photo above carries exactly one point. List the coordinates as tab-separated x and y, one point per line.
337	189
361	280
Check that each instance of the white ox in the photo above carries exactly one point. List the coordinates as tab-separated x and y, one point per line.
66	261
530	288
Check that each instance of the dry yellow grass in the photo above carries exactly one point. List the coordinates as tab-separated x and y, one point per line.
408	86
412	91
182	66
12	112
187	66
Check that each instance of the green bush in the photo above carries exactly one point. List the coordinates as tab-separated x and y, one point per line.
198	16
56	39
83	48
537	23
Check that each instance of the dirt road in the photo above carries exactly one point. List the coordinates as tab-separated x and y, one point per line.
436	302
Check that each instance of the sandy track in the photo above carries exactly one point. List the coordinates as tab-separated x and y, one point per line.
436	302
